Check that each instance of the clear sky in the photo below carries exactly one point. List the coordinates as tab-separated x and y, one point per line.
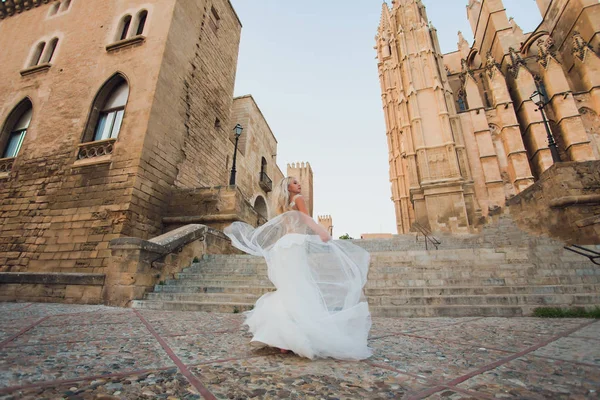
311	67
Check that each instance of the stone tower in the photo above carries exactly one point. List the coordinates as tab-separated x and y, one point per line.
430	176
303	172
326	222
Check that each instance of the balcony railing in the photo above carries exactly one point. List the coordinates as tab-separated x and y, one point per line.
6	165
265	182
96	149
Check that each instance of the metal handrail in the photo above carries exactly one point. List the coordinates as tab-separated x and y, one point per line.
427	234
584	251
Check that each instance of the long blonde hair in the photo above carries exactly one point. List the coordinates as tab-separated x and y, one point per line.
281	196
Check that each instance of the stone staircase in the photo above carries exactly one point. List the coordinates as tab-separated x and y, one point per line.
500	272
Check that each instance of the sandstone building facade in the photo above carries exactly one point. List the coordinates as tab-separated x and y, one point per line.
117	120
463	133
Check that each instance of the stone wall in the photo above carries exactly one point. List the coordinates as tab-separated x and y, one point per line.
185	146
216	207
564	203
58	213
256	143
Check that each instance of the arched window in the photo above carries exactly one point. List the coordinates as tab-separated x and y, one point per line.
462	101
263	166
108	110
53	9
49	53
37	54
141	22
15	129
124	27
65	5
260	205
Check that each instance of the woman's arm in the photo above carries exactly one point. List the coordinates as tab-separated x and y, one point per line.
319	230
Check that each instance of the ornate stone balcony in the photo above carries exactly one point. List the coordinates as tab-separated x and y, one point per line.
265	182
6	165
9	8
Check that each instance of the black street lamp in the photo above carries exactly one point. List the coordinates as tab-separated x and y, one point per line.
238	132
538	99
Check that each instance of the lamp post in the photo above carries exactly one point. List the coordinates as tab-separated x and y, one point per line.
238	132
538	99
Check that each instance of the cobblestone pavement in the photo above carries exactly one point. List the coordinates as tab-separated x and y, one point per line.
55	351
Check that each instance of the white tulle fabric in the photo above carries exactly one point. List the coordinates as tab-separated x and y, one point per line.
318	309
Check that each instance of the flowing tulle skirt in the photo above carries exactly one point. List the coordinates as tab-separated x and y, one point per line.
318	309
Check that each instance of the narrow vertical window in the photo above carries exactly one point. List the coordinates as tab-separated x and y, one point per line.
125	23
263	166
65	5
17	130
54	9
142	16
50	51
111	114
37	55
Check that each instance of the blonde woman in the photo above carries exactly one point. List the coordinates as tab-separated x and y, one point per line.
318	309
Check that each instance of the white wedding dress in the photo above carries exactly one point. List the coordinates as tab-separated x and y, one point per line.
318	309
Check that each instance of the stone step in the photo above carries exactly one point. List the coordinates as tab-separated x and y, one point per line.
450	311
520	281
204	297
482	290
192	306
397	291
400	281
256	290
485	300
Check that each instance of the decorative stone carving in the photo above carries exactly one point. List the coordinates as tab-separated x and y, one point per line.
491	65
96	149
6	165
546	51
516	62
10	7
580	46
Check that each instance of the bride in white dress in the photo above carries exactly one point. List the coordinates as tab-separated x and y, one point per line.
318	309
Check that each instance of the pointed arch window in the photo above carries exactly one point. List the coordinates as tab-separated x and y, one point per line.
65	5
54	9
15	129
108	111
111	114
49	53
37	54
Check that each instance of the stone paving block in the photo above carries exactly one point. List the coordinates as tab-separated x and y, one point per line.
543	326
42	335
434	360
591	331
535	378
178	323
125	316
147	385
572	349
202	348
7	329
7	307
292	377
448	394
487	337
28	364
44	309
